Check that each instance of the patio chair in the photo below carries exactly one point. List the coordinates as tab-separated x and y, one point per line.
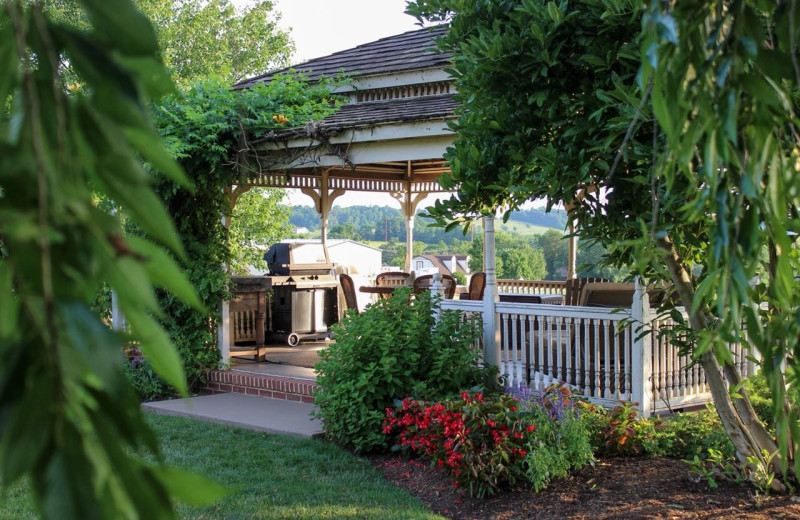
349	292
606	294
574	286
477	284
424	283
392	279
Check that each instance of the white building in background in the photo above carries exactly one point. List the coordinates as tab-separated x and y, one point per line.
444	264
360	259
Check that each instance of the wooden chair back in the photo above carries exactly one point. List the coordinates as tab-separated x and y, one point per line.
392	278
607	295
424	282
477	284
574	287
349	291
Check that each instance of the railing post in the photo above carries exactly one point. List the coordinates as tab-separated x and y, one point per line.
224	333
491	321
641	350
437	288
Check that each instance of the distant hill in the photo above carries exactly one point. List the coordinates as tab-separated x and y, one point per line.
383	223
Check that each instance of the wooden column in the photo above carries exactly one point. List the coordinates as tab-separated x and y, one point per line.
572	261
323	202
408	203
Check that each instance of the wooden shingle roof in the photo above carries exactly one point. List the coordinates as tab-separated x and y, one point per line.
380	113
412	50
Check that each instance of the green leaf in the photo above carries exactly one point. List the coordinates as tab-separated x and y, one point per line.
157	348
152	148
164	272
554	12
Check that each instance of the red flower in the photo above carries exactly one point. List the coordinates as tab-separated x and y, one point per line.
530	428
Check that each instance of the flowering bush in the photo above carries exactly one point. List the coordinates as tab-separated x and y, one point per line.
481	442
561	440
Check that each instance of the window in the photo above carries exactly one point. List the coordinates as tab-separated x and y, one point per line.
419	264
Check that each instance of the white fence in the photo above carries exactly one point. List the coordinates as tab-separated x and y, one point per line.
603	354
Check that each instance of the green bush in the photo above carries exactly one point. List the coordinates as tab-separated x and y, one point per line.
392	350
560	441
146	383
761	397
686	435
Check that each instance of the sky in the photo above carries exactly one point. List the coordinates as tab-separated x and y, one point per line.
322	27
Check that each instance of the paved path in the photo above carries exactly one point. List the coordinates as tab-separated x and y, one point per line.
246	411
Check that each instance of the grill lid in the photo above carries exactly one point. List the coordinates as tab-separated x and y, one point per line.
302	259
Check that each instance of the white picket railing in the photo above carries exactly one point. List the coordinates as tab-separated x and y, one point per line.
510	285
603	354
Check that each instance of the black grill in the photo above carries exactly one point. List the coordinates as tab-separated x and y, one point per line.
305	292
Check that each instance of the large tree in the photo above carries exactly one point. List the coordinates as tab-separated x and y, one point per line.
670	132
199	39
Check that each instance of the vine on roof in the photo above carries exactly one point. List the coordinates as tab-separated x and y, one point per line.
209	128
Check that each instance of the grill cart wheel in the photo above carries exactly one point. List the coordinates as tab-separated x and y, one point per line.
293	339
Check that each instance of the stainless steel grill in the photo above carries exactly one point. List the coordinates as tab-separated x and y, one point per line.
305	292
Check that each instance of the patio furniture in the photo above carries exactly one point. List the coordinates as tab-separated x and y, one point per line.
605	294
477	284
349	292
391	279
383	291
574	286
424	283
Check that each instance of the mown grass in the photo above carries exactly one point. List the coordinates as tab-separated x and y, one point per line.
271	477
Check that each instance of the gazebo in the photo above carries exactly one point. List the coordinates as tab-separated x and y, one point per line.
390	137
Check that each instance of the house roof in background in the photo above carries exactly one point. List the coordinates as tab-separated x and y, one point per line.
409	51
438	262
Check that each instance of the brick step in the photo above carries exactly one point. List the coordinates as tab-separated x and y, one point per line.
264	385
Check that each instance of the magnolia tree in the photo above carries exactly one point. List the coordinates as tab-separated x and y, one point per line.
670	130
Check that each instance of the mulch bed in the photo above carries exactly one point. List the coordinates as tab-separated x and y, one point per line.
614	488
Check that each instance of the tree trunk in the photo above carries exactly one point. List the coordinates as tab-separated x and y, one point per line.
737	415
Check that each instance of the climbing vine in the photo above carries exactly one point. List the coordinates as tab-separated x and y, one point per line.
213	132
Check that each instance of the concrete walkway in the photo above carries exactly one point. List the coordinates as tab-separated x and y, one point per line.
246	411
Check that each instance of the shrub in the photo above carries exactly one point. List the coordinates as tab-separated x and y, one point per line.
560	441
393	349
488	442
480	442
686	435
146	383
761	398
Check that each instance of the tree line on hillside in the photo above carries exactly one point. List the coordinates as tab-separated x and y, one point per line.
384	223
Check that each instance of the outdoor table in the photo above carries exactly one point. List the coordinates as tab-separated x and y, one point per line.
382	290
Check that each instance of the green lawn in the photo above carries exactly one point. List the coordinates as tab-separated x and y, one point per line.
272	477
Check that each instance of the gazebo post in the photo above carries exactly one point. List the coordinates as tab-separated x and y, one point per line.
491	325
409	202
323	202
572	261
572	266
